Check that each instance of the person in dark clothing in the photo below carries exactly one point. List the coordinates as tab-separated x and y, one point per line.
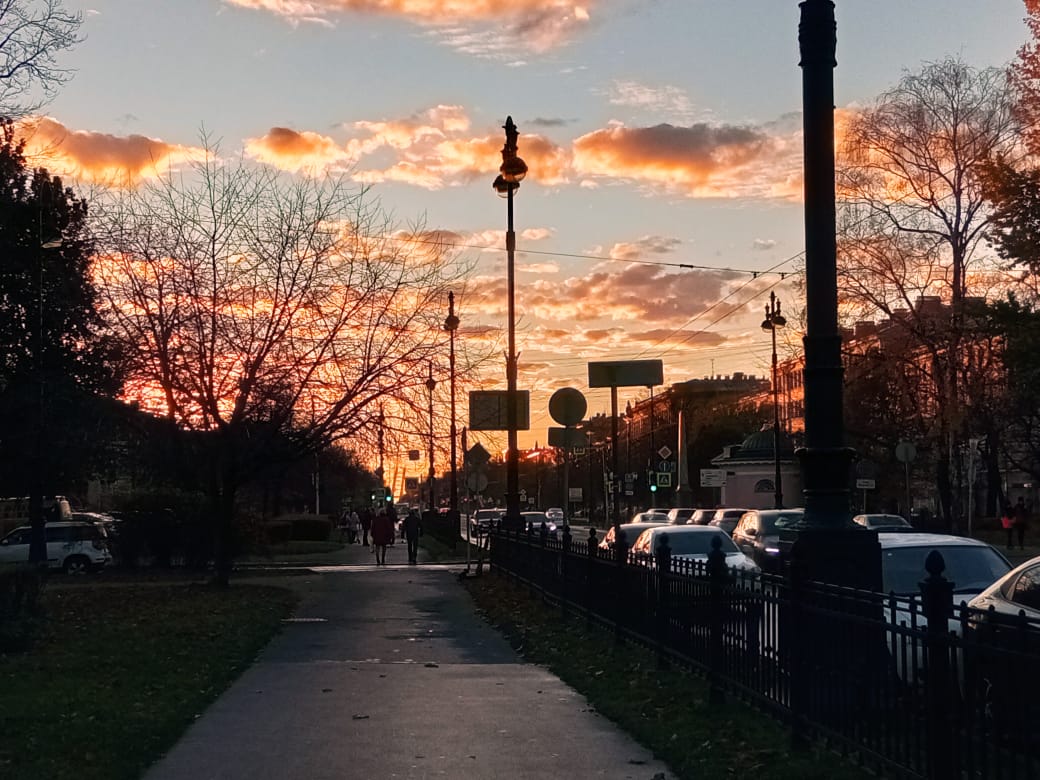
411	529
1021	520
382	535
366	524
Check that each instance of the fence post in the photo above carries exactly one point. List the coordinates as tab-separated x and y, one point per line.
937	607
564	566
717	576
590	575
618	570
664	570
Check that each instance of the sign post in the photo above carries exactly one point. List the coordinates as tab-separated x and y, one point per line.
567	406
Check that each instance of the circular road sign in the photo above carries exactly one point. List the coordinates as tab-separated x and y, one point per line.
905	452
568	406
477	482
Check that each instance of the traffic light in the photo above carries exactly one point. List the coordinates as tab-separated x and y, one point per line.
388	495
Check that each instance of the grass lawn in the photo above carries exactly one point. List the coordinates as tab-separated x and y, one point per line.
118	670
666	711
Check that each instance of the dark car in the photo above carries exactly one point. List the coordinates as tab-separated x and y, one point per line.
680	515
701	517
631	532
727	518
757	534
883	522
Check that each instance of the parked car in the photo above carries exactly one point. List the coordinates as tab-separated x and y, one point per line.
1015	594
726	518
631	531
648	517
483	520
680	515
757	535
971	565
883	522
691	543
533	521
554	513
701	517
74	547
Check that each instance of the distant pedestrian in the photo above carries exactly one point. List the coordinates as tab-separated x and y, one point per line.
366	524
391	512
411	529
1007	522
382	535
354	527
1021	521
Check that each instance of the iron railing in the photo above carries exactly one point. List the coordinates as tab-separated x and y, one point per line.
917	685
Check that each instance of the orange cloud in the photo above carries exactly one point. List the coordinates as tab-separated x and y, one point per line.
489	28
100	157
700	160
294	150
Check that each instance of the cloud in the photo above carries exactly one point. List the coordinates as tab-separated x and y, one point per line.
647	245
667	101
434	149
483	28
762	244
295	151
100	157
700	160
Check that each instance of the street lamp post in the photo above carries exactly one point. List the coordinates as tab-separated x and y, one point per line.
511	173
431	383
451	324
774	319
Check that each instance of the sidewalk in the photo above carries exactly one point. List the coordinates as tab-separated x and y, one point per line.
387	672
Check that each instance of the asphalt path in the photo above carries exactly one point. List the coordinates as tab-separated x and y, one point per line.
388	672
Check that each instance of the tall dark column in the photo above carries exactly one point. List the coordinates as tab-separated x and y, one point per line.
825	547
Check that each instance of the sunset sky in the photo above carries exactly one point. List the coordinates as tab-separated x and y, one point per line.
662	136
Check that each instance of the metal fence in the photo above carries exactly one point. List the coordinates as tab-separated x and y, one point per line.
917	686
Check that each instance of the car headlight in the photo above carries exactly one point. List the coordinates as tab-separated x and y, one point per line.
773	550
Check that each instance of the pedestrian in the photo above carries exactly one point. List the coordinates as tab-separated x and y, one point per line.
1007	522
411	529
354	527
391	512
382	535
1021	521
366	524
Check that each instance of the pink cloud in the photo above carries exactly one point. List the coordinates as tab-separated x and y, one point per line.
295	150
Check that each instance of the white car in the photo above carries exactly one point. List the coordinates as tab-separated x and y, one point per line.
74	547
554	513
691	543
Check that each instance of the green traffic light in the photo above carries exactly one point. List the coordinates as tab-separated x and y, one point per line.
653	488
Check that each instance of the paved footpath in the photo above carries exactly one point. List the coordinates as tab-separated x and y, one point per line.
388	672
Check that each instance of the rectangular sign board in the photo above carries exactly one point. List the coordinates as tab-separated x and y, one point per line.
626	373
713	477
489	410
574	493
567	438
864	484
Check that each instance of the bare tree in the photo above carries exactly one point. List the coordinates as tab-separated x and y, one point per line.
32	34
913	216
263	310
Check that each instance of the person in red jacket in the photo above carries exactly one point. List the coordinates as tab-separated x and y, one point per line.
382	535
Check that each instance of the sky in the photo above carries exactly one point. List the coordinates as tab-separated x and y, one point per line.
663	140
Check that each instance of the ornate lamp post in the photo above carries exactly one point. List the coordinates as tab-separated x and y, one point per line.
451	324
774	319
511	173
431	383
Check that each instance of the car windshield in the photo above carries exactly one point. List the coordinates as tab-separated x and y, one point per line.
969	568
697	544
773	523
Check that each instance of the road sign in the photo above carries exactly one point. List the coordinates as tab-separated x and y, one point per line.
568	406
489	410
567	438
906	452
713	477
476	456
666	465
626	373
413	454
864	484
411	483
664	452
664	479
477	482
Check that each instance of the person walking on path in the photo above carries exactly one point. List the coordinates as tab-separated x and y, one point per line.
411	529
1007	522
1021	520
382	535
366	524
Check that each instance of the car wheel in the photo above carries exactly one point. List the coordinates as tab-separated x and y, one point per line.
77	564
